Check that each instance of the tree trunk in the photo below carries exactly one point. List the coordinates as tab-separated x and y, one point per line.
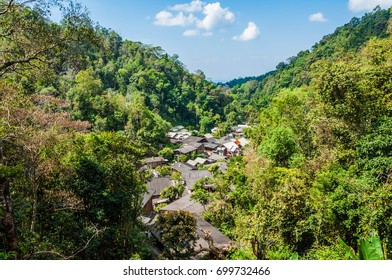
34	210
8	221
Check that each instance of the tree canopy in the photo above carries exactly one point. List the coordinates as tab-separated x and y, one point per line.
80	107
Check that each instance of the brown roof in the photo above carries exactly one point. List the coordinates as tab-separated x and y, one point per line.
154	159
186	149
196	209
220	240
211	146
210	138
182	167
158	184
185	203
147	196
193	139
192	176
216	157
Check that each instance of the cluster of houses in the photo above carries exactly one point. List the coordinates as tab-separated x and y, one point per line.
205	151
208	146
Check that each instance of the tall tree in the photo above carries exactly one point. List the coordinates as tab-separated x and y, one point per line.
29	39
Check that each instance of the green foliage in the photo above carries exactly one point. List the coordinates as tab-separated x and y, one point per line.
84	94
167	153
241	254
202	183
178	233
321	165
374	150
106	177
159	206
201	167
318	166
183	158
332	252
371	249
282	252
221	214
294	257
164	170
7	256
28	39
10	171
201	195
144	125
213	168
173	192
279	145
176	176
368	249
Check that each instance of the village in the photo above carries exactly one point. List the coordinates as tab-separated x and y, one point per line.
195	160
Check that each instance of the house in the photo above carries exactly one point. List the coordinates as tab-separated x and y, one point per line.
201	160
154	188
222	151
147	204
182	167
197	161
192	162
243	141
225	139
177	128
220	240
216	157
199	147
210	148
232	149
178	134
184	203
192	176
196	209
154	162
171	134
185	150
158	184
194	139
239	129
189	148
178	138
209	138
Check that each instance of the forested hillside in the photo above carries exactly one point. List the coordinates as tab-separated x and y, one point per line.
320	167
255	93
80	107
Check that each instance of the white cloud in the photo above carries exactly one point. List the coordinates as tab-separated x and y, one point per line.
191	33
196	32
200	18
165	18
214	14
194	6
250	33
317	17
368	5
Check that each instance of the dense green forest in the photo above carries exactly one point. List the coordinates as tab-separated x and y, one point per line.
321	162
80	108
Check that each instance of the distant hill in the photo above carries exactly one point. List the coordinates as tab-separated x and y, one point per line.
296	70
240	81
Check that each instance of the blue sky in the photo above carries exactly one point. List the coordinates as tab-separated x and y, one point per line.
227	39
